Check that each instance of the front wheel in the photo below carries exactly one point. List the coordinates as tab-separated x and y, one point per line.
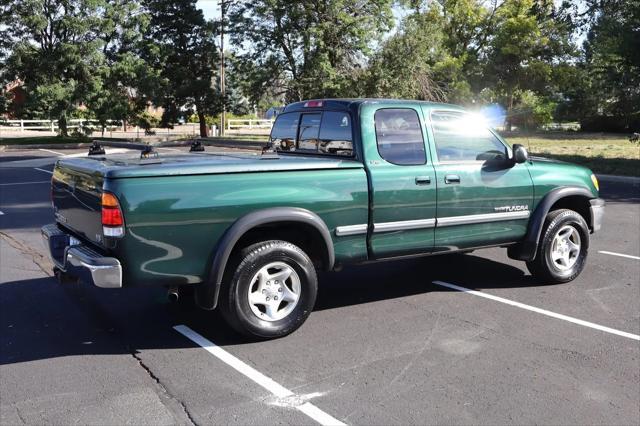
270	290
563	247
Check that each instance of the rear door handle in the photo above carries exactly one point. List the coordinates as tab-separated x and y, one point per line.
452	179
423	180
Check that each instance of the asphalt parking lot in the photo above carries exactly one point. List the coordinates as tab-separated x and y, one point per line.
390	343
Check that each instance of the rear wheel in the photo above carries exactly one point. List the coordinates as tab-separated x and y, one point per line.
269	290
563	247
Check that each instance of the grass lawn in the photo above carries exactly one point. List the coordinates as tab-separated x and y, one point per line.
603	153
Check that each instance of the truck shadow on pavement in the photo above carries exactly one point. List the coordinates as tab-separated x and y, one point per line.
401	278
41	319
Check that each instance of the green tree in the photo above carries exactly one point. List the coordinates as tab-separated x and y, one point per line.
529	36
570	85
55	51
305	49
437	52
612	62
181	46
74	53
405	64
5	33
127	82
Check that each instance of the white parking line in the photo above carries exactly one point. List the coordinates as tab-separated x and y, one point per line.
539	311
269	384
619	254
53	152
43	170
25	183
1	213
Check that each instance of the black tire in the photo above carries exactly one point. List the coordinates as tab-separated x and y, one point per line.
234	298
543	266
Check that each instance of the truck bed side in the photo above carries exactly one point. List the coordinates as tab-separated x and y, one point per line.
174	222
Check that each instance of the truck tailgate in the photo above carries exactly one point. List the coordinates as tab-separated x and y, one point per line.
76	195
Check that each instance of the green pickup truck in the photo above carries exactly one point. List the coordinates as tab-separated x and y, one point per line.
342	181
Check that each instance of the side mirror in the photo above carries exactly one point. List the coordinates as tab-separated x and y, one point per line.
520	154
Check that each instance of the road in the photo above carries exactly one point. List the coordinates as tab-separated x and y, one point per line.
385	344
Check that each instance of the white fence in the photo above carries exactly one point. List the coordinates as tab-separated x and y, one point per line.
113	129
236	123
52	125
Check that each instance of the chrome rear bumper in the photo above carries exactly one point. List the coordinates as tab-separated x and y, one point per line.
81	261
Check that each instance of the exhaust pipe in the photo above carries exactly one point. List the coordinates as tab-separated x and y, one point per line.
173	294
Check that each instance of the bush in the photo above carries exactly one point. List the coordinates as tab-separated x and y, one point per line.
83	113
611	123
83	131
533	111
147	121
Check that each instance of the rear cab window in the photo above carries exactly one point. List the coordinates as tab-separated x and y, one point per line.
284	132
314	132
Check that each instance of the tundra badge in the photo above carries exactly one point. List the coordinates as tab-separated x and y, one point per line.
512	208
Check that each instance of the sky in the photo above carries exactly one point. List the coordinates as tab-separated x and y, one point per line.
209	8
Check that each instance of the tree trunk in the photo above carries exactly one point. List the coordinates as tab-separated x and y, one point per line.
62	125
509	112
204	130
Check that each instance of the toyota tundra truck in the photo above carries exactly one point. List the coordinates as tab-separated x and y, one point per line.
341	181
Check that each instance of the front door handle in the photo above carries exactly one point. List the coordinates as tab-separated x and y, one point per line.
423	180
452	179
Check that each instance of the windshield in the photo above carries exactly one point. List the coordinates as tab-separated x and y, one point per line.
318	132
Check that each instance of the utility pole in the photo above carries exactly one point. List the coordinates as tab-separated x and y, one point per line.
223	118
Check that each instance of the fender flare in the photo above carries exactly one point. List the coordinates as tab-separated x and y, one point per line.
527	248
207	293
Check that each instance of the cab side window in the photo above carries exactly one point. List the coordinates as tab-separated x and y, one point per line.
399	136
464	137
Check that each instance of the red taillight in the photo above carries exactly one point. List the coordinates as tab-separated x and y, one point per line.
111	217
313	104
112	220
